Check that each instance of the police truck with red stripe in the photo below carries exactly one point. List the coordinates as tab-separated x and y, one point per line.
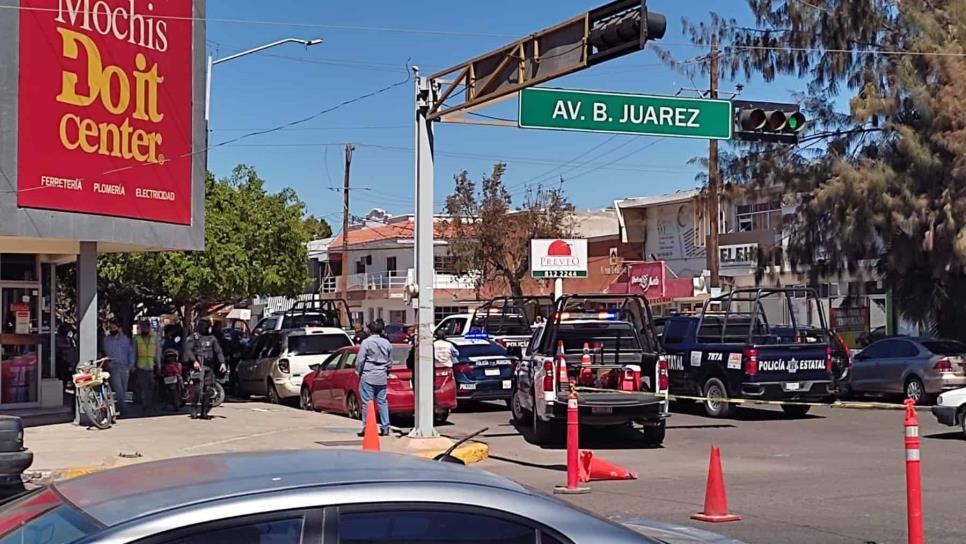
760	344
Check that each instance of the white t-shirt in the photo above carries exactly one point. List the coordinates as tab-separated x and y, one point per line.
446	353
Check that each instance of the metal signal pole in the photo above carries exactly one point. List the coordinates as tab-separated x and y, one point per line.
714	183
425	99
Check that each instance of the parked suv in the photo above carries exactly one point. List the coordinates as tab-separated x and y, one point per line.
278	360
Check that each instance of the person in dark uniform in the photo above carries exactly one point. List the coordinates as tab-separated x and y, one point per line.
203	352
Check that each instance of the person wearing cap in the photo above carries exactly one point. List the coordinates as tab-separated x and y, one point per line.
119	349
147	361
372	365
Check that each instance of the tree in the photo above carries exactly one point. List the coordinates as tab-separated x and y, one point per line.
255	244
490	239
316	228
882	186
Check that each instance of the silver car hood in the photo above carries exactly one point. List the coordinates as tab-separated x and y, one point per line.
670	533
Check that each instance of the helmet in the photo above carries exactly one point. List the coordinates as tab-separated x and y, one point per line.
204	325
170	355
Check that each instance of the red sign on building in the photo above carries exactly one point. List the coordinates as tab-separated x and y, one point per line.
105	114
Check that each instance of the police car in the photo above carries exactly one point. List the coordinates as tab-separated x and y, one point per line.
483	370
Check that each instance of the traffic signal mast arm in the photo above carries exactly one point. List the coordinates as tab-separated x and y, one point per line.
601	34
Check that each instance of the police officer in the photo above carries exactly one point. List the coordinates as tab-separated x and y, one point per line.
203	351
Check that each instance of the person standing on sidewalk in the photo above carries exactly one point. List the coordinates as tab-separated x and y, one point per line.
118	347
445	351
373	364
147	363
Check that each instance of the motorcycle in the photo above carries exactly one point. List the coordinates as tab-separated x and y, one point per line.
173	381
215	390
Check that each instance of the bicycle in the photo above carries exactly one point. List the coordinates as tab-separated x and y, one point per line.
95	399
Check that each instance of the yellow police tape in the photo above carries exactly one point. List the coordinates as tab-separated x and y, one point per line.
851	405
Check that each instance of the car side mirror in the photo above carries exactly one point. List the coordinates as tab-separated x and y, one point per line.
315	367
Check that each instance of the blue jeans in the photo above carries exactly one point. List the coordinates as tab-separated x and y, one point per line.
378	392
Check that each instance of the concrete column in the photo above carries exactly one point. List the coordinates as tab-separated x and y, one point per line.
87	302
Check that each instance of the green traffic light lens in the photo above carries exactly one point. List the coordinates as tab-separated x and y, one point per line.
793	122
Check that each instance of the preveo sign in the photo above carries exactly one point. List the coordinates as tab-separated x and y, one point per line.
558	258
105	115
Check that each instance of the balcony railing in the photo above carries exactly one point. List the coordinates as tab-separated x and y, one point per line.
395	281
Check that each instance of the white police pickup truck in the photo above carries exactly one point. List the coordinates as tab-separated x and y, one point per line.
950	408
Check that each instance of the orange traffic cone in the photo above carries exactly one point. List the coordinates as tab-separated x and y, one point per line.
370	437
715	498
592	468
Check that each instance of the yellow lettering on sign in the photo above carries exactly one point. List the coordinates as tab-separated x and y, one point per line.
112	85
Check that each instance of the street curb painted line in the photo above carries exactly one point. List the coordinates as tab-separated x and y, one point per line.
473	452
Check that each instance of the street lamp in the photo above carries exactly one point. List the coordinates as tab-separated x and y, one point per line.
212	62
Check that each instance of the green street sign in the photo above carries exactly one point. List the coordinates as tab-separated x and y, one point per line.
562	109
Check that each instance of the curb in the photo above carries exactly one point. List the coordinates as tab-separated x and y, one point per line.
470	453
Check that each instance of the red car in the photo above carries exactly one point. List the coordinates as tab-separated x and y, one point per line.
333	385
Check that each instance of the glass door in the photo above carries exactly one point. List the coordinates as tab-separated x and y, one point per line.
20	345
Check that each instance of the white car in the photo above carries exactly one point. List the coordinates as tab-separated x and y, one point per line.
950	408
278	360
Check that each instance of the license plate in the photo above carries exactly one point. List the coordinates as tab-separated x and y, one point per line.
468	386
601	410
507	384
170	379
492	372
793	386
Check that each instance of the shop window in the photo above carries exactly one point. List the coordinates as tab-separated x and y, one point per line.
18	267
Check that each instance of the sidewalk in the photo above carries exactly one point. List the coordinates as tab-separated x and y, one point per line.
67	450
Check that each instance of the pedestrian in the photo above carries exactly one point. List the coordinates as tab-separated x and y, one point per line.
120	350
372	365
444	350
147	364
203	352
411	335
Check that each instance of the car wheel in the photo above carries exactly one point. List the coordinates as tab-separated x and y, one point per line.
715	392
654	434
521	416
271	392
440	417
305	400
915	390
352	406
795	410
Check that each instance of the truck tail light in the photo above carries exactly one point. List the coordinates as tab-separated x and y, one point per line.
463	368
751	361
828	359
943	365
283	366
548	376
662	379
500	341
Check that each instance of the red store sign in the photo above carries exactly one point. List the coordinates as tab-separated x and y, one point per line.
105	115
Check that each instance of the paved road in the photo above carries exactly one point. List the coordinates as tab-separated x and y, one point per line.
836	476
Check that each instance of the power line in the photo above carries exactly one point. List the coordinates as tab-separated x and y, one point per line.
283	126
348	28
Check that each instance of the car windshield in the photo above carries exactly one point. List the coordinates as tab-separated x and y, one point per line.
42	516
488	349
316	344
945	347
400	354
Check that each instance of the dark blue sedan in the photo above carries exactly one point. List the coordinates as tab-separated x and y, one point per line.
484	369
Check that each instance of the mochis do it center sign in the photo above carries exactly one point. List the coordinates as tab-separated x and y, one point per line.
105	113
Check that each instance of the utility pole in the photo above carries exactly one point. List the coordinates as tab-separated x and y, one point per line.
714	183
344	279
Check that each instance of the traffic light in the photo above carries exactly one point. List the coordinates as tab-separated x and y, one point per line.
767	121
622	27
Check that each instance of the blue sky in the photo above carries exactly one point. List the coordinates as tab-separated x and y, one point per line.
291	82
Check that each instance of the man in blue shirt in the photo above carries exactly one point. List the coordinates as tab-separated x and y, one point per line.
120	349
372	365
